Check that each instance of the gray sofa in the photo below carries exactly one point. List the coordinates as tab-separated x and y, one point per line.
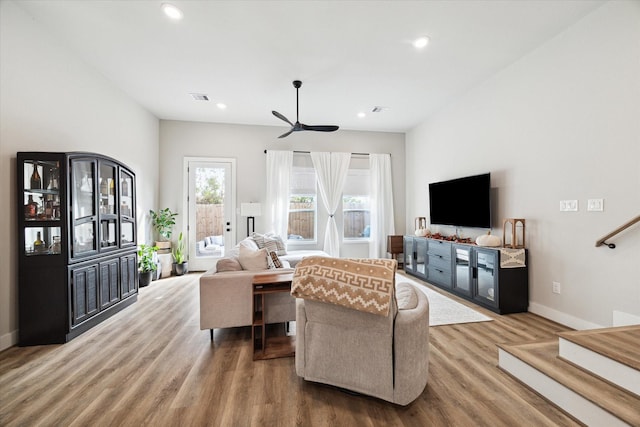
385	357
226	296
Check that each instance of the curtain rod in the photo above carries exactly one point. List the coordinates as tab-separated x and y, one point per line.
309	152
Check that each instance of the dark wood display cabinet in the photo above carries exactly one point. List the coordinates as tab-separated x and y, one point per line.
77	262
471	272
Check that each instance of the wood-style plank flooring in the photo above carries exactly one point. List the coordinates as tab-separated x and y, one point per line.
151	365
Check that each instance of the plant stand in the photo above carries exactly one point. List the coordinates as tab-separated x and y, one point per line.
166	260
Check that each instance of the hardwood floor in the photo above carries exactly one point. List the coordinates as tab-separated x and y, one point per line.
151	365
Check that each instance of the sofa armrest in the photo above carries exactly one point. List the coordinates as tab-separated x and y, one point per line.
411	342
225	299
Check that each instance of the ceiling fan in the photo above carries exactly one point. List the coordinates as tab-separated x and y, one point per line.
300	126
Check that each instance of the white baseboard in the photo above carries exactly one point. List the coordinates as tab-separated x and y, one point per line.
8	340
620	318
562	318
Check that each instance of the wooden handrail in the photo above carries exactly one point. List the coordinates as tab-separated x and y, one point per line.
616	231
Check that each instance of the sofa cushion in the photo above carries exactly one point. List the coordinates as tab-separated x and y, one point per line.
228	264
406	296
253	260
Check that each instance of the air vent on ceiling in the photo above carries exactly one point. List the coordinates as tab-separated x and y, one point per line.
199	96
378	109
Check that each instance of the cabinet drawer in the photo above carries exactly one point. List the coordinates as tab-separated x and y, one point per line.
442	249
439	276
440	262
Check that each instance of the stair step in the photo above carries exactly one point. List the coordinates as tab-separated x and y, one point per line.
583	395
610	353
620	344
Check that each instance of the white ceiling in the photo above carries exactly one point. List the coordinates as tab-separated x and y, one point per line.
350	55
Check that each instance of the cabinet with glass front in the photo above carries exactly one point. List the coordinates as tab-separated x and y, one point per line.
77	243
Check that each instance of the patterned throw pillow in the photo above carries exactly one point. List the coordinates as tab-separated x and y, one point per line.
272	242
274	261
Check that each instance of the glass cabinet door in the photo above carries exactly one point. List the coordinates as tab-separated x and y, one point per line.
107	206
107	189
83	201
127	210
408	255
420	265
485	264
462	270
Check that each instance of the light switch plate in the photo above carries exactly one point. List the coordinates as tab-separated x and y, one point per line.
568	205
595	205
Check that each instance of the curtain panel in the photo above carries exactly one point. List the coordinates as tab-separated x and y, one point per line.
382	219
279	164
331	169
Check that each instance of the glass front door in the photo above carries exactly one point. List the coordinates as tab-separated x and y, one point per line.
211	210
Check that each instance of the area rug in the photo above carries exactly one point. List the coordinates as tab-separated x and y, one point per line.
443	310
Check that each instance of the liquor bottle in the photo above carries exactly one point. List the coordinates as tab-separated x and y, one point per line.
31	208
38	244
36	181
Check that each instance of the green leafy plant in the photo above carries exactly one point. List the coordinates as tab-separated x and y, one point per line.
178	251
163	221
146	260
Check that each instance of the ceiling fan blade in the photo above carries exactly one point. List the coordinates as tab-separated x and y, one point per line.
320	128
281	117
286	134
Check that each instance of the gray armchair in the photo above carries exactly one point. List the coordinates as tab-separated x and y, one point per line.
382	356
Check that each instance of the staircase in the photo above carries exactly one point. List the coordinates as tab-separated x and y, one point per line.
592	375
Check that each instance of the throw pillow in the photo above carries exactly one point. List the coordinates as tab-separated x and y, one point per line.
274	261
228	264
282	248
270	241
253	260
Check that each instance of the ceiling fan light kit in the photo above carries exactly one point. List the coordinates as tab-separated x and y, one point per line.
297	126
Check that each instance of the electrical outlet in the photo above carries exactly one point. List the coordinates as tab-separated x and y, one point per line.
568	205
556	288
595	205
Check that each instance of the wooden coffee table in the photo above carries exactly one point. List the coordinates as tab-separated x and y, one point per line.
270	341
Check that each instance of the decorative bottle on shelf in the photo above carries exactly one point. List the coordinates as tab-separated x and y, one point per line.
31	208
36	181
56	246
38	244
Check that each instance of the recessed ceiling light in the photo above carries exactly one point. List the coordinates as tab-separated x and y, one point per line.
221	106
171	11
421	42
361	115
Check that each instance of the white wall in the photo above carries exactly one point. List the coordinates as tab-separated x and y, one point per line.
247	144
51	101
561	123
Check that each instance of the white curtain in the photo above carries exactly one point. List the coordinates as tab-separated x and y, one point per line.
279	164
382	220
331	169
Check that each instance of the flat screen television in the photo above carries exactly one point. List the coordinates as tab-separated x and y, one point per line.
464	202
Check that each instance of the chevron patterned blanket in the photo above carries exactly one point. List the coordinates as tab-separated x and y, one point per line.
360	284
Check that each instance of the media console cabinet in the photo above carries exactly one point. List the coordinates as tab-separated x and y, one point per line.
469	271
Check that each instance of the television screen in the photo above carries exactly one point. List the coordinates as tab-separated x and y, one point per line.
464	202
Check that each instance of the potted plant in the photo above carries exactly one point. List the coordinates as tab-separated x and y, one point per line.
179	257
163	221
146	264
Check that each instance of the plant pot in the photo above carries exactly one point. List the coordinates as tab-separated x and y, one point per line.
181	268
144	278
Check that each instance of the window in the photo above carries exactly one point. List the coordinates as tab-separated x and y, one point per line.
303	205
356	205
